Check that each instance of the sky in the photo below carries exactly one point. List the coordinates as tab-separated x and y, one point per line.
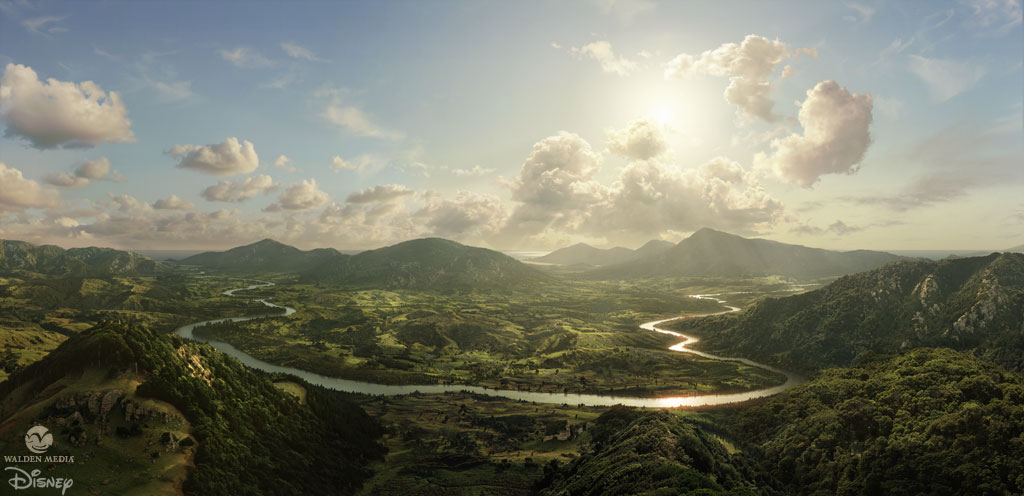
512	125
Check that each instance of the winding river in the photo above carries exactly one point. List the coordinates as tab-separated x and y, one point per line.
347	385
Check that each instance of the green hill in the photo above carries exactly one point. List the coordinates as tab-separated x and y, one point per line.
932	421
636	452
265	256
429	263
135	408
713	253
966	304
77	262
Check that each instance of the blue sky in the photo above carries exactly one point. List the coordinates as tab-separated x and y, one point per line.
512	125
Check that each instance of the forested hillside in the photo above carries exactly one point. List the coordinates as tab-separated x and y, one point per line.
966	304
18	256
251	437
932	421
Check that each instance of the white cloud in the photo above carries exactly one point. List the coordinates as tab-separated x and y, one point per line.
641	140
356	121
379	194
55	112
282	163
861	13
996	17
834	141
172	91
602	52
173	202
302	196
475	171
98	169
67	180
946	78
221	159
558	197
244	57
18	193
238	191
469	216
94	169
338	163
297	51
748	66
651	198
38	25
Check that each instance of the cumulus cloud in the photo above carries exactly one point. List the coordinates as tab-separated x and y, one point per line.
653	197
238	191
748	66
641	140
221	159
98	169
282	163
558	196
94	169
60	113
244	57
302	196
946	78
468	216
834	140
602	52
173	202
379	194
338	163
555	187
18	193
66	180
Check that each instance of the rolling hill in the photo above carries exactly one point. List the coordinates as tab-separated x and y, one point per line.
974	304
75	262
582	253
713	253
266	255
429	263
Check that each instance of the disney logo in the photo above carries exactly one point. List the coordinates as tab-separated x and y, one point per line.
25	480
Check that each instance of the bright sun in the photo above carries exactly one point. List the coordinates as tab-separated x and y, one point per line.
665	115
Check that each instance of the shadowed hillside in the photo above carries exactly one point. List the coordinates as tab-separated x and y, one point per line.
76	262
967	304
243	434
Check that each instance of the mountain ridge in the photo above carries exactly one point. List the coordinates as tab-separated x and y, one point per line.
77	262
708	252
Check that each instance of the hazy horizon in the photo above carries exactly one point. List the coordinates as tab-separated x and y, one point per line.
884	127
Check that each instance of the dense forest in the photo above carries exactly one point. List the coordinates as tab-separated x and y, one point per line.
932	421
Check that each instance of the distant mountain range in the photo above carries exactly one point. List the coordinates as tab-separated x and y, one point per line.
714	253
584	254
429	263
74	262
974	304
